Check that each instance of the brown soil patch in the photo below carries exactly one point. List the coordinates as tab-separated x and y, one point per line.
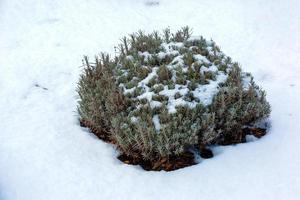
240	137
167	164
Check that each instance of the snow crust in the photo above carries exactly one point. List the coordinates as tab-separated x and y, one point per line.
45	154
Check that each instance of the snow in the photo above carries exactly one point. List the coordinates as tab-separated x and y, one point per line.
178	61
145	54
156	122
134	119
212	68
155	104
206	92
45	154
169	49
201	59
146	80
246	81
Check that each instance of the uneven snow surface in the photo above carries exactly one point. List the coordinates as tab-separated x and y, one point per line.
45	154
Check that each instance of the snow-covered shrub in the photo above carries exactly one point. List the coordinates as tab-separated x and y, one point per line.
164	93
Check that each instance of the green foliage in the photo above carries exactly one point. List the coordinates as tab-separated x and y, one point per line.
158	79
235	107
100	98
163	73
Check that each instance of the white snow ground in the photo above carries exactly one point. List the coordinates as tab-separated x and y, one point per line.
44	154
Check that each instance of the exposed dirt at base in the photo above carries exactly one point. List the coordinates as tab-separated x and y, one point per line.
240	137
175	162
167	164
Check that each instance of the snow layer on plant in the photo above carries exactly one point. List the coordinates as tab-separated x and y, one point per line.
156	122
246	79
44	154
206	92
180	63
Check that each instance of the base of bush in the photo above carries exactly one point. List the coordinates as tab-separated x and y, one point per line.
240	137
185	159
101	134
